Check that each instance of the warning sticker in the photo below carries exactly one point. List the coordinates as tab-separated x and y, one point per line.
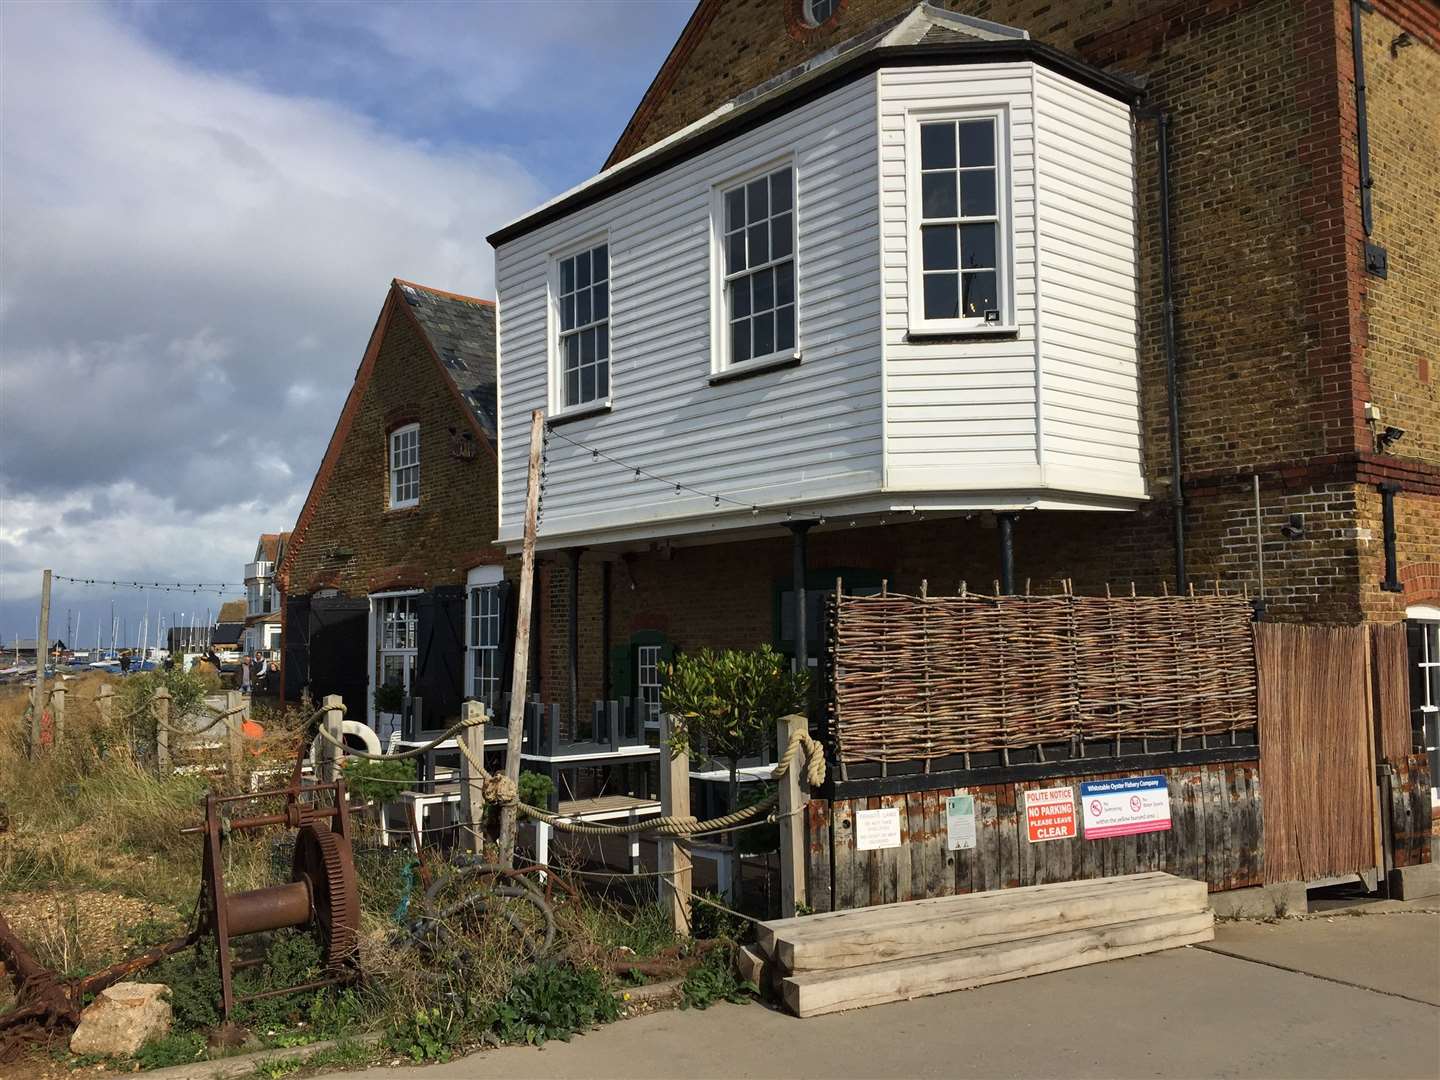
1050	814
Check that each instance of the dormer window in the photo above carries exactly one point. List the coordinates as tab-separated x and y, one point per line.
405	467
959	258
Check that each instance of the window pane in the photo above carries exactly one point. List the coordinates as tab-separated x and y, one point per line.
937	195
785	283
587	347
780	191
735	252
781	236
582	307
734	209
567	312
785	329
759	244
572	351
602	342
582	270
757	201
939	243
937	146
979	294
602	379
587	384
977	142
942	296
763	290
740	298
600	262
602	302
567	275
740	340
977	193
977	246
572	387
764	334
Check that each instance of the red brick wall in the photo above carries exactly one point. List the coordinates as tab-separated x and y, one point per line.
431	544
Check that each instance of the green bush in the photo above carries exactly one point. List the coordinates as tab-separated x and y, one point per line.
714	979
536	789
379	780
427	1034
177	1048
553	1001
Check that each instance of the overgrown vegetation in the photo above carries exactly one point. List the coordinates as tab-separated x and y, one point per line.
94	867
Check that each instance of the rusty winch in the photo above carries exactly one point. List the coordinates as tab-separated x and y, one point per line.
322	890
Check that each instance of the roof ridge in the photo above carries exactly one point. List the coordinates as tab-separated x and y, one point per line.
443	292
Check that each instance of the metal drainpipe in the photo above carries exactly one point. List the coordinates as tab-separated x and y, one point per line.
798	530
574	628
1006	522
1362	127
1172	378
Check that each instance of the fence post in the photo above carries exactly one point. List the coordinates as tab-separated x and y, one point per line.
472	795
104	703
162	730
335	727
674	802
235	736
57	713
792	819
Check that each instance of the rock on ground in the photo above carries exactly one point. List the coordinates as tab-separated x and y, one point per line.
122	1019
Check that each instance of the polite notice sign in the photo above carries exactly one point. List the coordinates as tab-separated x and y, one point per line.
960	822
1138	804
877	828
1050	814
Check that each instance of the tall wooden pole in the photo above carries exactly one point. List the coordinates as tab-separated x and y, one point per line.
521	666
42	654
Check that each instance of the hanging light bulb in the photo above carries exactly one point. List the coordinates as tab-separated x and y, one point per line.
594	455
677	489
717	500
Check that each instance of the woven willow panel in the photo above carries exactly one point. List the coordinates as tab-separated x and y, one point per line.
930	677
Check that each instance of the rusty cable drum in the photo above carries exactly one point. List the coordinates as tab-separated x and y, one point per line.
324	860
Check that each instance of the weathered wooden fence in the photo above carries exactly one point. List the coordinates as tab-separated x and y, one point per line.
1216	837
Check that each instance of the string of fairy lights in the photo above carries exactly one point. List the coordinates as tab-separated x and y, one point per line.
217	587
639	472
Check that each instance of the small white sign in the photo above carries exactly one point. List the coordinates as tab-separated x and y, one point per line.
877	828
960	822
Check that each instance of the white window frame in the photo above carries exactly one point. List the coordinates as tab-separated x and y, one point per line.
812	19
377	641
918	324
720	361
396	502
556	363
486	578
1428	709
652	715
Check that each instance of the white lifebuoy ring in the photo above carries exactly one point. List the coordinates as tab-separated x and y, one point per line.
352	733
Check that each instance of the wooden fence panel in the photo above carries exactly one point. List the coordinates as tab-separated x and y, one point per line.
1315	750
1391	667
1215	837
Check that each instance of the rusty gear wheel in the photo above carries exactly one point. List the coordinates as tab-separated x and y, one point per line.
324	859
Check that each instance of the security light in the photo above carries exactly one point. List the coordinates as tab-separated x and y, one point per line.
1388	438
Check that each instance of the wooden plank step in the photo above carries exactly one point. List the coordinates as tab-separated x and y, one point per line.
816	993
768	929
899	931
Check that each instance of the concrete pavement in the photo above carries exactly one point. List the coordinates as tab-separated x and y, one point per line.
1186	1013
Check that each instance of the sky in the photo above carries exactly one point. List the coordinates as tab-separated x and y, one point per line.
201	208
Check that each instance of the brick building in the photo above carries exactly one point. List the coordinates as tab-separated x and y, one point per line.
390	576
1306	301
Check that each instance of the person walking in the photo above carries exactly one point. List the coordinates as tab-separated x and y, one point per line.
245	674
125	662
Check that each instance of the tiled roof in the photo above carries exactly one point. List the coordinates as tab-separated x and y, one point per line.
461	330
232	611
271	546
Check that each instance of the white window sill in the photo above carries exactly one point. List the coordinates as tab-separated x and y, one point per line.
408	504
773	362
579	412
962	330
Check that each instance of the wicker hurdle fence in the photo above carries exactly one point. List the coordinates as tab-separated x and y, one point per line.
921	678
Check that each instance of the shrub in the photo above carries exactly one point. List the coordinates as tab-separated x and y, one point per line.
553	1001
536	789
378	780
714	979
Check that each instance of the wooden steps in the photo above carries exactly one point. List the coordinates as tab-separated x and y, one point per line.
867	956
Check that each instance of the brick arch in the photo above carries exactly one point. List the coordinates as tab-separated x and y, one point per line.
800	30
1422	582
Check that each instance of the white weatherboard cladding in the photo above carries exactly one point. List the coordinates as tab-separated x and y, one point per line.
1055	403
811	431
1089	377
